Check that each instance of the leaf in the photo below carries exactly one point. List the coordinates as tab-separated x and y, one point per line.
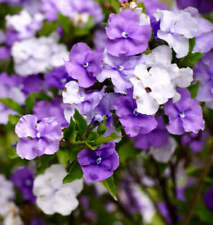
12	105
70	132
101	140
63	157
75	172
194	89
81	123
110	186
102	128
48	28
65	23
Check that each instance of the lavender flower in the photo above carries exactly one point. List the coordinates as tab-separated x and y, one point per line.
204	6
57	78
156	138
184	115
125	34
100	164
84	65
54	109
23	178
195	141
134	123
119	70
37	137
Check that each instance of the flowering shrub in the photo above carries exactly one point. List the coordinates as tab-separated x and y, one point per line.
106	112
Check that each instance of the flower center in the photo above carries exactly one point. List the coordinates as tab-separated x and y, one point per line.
86	64
38	135
120	68
64	80
182	115
98	161
135	112
148	89
124	34
28	182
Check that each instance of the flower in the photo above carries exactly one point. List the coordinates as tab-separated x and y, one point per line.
204	6
84	65
54	109
36	55
134	123
100	164
23	178
151	88
155	138
176	28
85	102
37	137
119	70
125	34
52	195
164	153
31	84
208	199
195	141
156	78
6	194
203	71
57	78
185	115
5	112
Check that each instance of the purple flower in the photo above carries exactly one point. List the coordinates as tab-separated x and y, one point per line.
5	112
23	178
119	70
134	123
163	208
204	6
203	72
100	39
32	84
37	137
4	52
195	141
84	64
100	164
125	34
184	115
53	109
156	138
57	78
37	221
208	199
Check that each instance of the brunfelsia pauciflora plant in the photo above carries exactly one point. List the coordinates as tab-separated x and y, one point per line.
106	97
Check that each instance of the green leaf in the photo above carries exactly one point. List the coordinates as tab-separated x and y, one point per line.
70	132
63	157
194	89
65	23
109	184
12	105
101	140
12	154
81	123
48	28
32	98
75	172
115	5
102	128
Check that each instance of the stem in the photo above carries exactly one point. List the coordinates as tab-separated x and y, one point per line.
197	193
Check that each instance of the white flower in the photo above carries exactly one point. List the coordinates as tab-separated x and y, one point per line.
164	153
154	87
12	217
176	28
25	24
52	195
151	88
72	93
34	56
6	195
